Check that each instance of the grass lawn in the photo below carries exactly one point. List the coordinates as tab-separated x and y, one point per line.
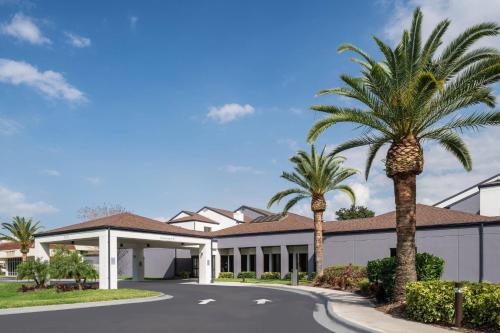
260	281
11	298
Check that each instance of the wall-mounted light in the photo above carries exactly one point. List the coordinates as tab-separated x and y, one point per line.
147	245
73	242
121	244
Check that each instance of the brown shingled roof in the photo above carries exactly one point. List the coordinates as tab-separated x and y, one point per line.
6	246
193	217
127	221
426	216
292	222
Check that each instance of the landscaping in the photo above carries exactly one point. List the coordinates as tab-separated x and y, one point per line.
11	297
266	278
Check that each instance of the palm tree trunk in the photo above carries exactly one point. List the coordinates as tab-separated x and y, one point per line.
24	256
405	189
318	241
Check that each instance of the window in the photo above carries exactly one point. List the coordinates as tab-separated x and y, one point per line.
226	263
393	251
244	266
12	266
266	263
252	263
276	266
195	262
207	229
301	262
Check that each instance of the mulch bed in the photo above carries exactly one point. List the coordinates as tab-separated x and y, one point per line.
62	287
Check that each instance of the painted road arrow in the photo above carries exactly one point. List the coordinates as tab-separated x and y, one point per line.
206	301
262	301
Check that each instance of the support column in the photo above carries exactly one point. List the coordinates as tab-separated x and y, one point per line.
311	261
259	261
284	260
270	262
138	264
108	257
237	261
42	250
217	263
205	264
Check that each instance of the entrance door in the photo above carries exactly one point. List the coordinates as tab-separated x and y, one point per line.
195	266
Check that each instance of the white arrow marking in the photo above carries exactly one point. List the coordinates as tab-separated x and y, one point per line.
262	301
206	301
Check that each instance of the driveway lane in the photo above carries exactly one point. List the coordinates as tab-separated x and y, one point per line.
233	311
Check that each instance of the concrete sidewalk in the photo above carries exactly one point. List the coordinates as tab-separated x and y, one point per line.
358	310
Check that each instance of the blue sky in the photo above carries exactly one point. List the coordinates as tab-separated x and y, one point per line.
161	106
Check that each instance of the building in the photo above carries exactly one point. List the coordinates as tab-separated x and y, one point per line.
482	198
213	240
11	256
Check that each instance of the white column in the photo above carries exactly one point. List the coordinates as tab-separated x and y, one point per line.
217	263
138	264
42	250
270	261
259	261
108	261
205	264
284	260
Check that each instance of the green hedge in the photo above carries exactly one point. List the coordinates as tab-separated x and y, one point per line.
226	275
383	271
246	275
342	276
433	301
270	276
302	276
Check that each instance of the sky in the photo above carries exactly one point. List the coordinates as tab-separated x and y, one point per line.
160	106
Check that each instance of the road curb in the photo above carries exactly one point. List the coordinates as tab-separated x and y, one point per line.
333	316
83	305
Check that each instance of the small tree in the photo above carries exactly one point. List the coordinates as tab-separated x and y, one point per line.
71	265
34	269
354	212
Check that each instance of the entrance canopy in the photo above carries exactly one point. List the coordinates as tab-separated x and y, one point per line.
130	231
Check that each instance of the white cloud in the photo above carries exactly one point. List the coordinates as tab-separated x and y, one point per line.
462	13
230	168
77	41
229	112
93	180
49	83
133	22
51	172
290	143
15	203
24	28
9	126
296	111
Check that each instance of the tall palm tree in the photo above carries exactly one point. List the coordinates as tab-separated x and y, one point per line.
410	97
22	231
315	174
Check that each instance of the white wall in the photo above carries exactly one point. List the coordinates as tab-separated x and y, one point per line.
490	200
224	222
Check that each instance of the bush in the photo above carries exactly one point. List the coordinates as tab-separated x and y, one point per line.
226	275
184	275
71	265
34	269
342	276
246	275
382	272
433	301
270	276
364	286
301	275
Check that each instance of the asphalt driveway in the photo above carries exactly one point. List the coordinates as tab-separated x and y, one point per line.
222	309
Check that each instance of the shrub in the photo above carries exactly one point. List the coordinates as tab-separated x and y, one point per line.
71	265
246	275
184	275
34	269
382	272
342	276
433	301
226	275
301	275
270	276
364	286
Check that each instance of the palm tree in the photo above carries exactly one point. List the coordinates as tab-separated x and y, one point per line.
315	174
22	231
412	96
